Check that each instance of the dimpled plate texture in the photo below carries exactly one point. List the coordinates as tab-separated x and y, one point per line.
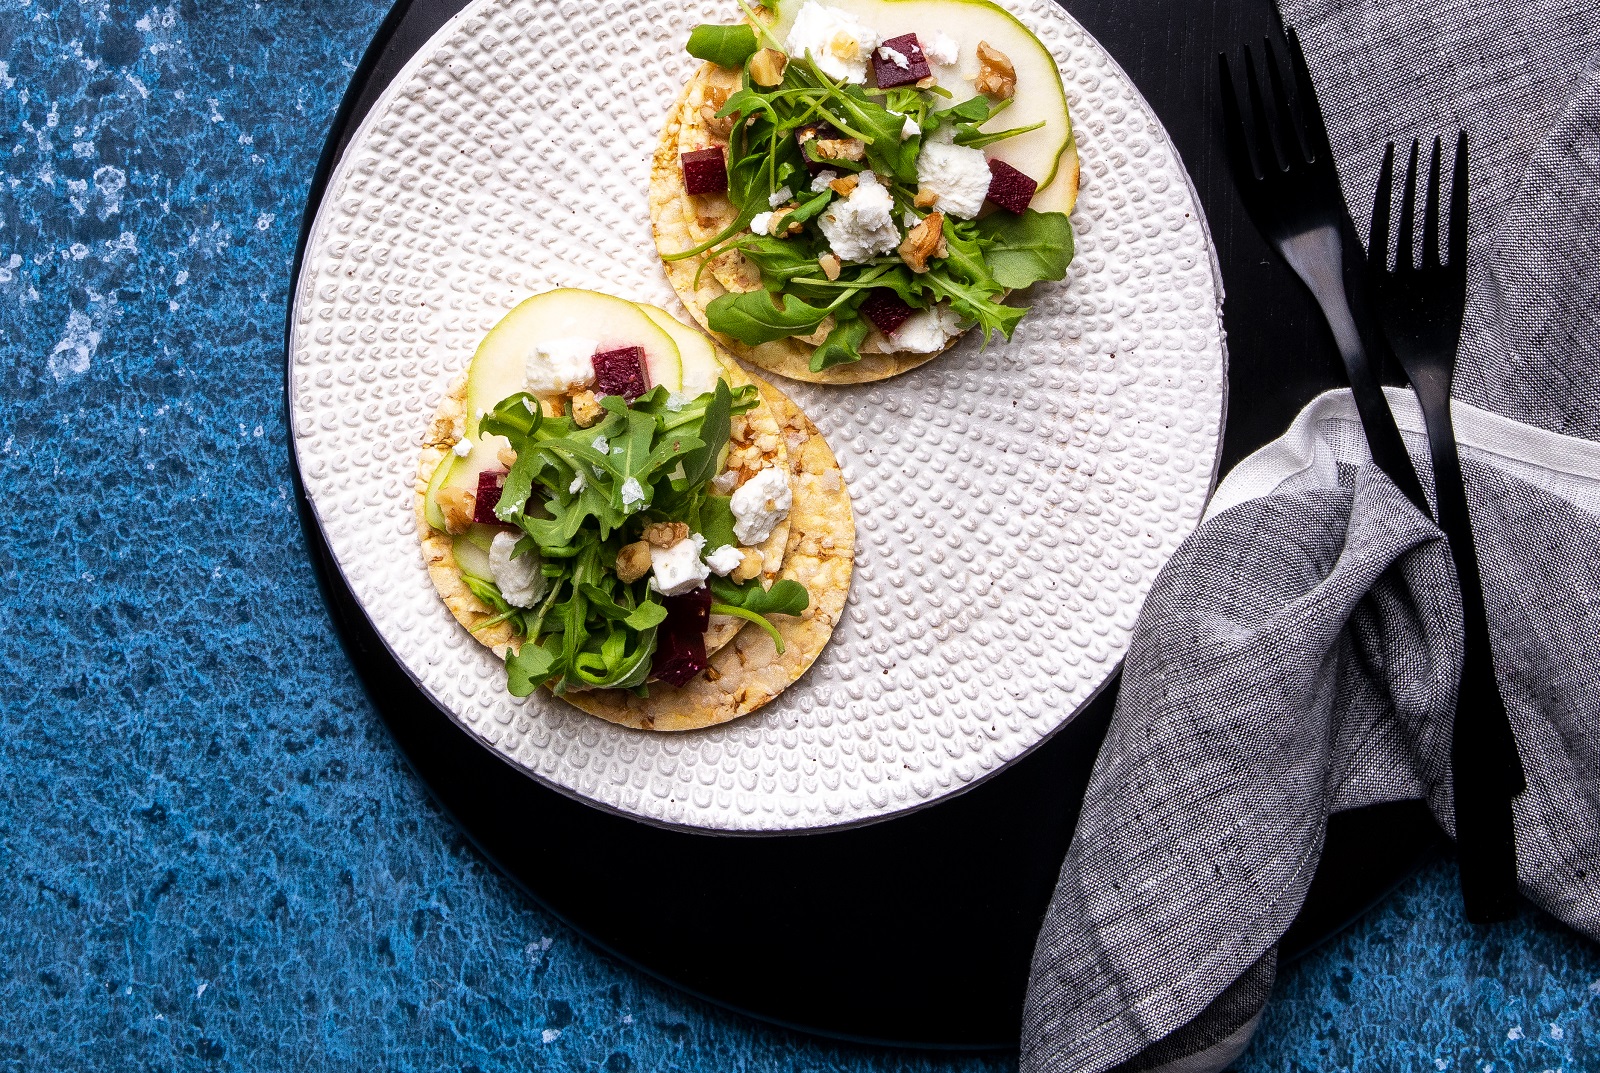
1012	505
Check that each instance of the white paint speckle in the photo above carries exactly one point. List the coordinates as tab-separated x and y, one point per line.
76	348
627	1018
1515	1033
182	277
110	182
550	1035
1556	1031
264	221
201	990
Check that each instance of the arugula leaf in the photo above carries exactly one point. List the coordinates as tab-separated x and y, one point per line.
725	46
779	260
786	597
528	668
972	110
973	138
1026	249
841	345
755	317
701	463
715	522
645	616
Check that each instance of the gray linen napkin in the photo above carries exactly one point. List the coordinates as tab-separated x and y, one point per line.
1299	654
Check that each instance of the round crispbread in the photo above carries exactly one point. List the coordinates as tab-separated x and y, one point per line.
749	672
680	220
762	443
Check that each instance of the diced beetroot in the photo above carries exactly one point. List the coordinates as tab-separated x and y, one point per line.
621	372
1009	188
886	310
705	171
681	637
889	74
489	484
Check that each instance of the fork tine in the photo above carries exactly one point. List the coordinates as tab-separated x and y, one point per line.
1430	214
1294	148
1403	259
1266	145
1378	237
1316	132
1233	124
1458	207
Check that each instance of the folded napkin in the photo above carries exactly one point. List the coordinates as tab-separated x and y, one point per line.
1300	653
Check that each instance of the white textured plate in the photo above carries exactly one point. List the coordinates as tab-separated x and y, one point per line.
1012	506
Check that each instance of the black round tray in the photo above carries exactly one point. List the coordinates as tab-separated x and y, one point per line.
917	930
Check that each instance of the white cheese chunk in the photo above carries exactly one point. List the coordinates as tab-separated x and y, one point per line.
822	179
861	226
678	569
957	173
909	129
895	57
779	196
555	366
725	560
761	223
632	493
723	482
839	43
940	49
579	482
760	504
926	330
463	447
601	445
518	579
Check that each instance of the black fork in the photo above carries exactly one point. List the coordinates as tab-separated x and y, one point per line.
1421	309
1290	187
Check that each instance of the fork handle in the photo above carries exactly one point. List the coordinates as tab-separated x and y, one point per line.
1377	420
1487	769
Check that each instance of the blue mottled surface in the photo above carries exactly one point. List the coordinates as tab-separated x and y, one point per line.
211	855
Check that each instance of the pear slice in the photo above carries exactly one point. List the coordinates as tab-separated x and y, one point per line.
499	368
700	368
1042	155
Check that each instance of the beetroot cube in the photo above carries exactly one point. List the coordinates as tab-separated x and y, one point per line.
705	171
681	638
889	73
621	372
1009	188
489	484
886	310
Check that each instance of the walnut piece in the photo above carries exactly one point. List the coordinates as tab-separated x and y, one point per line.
924	242
666	534
851	149
926	198
748	567
830	265
633	562
586	409
844	186
506	457
997	78
456	504
777	228
766	67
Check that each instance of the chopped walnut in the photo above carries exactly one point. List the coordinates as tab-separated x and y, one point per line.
841	149
457	505
830	265
766	67
777	228
586	409
633	562
749	566
924	243
716	97
997	78
926	198
666	534
844	186
506	456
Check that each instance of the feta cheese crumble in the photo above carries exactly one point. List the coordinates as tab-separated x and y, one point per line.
555	366
601	445
463	447
927	330
761	223
940	49
957	173
678	569
631	493
760	504
725	560
895	57
579	483
861	226
779	196
823	178
839	43
909	129
723	482
518	579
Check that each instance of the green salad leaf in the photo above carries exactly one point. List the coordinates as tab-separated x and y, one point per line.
725	46
1022	250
